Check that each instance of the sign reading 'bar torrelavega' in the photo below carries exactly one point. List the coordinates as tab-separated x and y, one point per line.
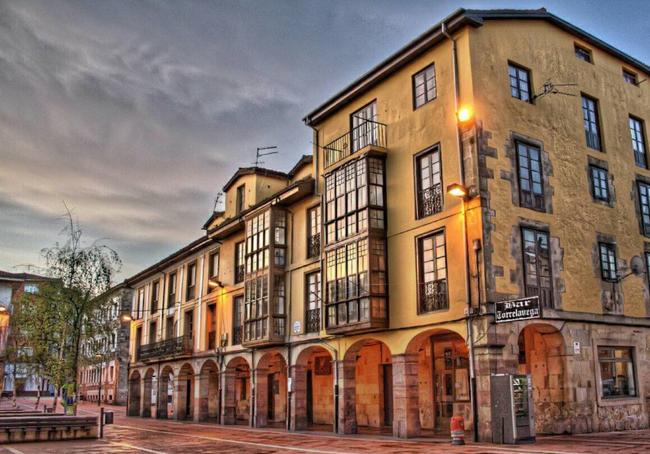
519	309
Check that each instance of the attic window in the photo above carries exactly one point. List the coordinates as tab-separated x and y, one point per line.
630	77
583	53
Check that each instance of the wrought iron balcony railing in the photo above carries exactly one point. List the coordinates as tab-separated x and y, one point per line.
240	271
367	133
212	340
312	322
430	200
313	246
176	346
237	335
433	296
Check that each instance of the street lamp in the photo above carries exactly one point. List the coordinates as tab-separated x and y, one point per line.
460	191
101	366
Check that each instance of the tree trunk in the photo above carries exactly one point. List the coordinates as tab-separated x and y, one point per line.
38	394
55	401
13	386
77	348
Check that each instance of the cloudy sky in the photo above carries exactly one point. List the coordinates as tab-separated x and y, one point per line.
135	113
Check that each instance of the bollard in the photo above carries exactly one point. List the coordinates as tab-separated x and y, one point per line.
457	426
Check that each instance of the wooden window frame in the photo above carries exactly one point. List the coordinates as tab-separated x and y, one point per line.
529	85
606	271
637	128
643	192
420	212
426	88
594	168
537	201
539	292
597	122
580	49
190	290
420	270
240	199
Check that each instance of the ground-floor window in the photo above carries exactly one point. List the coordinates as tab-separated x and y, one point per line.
617	371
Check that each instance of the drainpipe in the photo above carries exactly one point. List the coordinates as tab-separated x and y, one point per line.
468	289
199	321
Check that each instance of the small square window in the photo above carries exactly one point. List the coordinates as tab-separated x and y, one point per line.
424	86
599	188
583	53
630	77
519	82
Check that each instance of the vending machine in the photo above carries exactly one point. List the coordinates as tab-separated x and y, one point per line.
513	418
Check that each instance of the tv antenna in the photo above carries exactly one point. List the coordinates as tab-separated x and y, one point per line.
550	88
261	152
217	201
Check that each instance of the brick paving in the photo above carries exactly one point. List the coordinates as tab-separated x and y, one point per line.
137	435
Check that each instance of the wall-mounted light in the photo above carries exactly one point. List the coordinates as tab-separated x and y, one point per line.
213	283
457	190
465	114
126	318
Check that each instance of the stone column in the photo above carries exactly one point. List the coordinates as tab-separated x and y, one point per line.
146	397
180	394
298	398
161	400
347	423
200	397
261	397
228	414
406	414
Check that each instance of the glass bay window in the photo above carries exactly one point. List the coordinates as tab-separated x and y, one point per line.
355	255
264	287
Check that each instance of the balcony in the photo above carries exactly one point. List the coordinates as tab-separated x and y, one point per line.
313	246
433	296
430	201
312	321
236	335
368	133
212	340
169	348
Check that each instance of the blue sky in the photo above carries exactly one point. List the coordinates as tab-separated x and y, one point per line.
136	113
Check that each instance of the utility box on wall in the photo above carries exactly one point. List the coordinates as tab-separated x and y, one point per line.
513	418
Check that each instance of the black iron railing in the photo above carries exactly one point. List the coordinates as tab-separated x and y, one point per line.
313	245
367	133
236	335
212	340
312	322
239	273
430	200
176	346
433	296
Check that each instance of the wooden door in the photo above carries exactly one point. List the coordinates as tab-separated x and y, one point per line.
388	394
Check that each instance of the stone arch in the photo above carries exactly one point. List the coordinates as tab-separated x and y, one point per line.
165	408
134	393
367	388
184	395
147	398
541	354
271	390
209	391
435	383
237	392
312	402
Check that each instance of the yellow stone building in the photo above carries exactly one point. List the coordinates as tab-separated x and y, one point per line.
496	161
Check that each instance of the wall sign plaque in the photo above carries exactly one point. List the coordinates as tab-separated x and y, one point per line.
515	310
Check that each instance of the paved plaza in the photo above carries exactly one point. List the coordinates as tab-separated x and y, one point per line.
138	435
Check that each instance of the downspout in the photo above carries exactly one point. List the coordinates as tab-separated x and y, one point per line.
197	343
468	289
289	298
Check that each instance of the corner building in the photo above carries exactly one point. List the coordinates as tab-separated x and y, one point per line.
498	156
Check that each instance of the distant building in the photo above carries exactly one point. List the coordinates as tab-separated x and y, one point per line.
12	286
108	371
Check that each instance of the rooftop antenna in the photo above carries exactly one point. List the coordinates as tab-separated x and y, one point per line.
217	201
261	153
550	88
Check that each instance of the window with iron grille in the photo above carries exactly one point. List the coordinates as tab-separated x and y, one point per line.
583	53
155	296
519	82
240	261
538	277
644	205
171	290
630	77
608	270
433	273
591	122
191	282
430	197
529	167
599	187
424	86
237	319
638	142
313	298
313	229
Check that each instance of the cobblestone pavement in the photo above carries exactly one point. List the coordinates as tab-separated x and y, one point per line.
138	435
